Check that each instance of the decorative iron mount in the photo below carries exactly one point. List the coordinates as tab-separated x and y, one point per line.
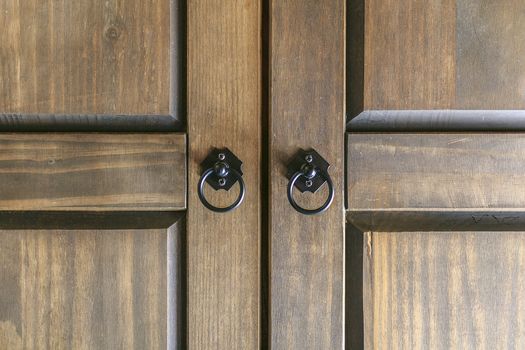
308	171
222	170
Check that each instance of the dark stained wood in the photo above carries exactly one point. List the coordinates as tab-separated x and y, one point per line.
438	65
91	288
490	72
433	172
449	219
354	325
355	55
410	54
432	120
448	290
439	290
89	123
436	54
88	57
306	111
224	104
72	171
87	220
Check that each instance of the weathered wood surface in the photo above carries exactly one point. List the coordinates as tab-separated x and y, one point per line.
224	110
87	57
432	172
436	54
453	289
91	288
74	171
444	290
410	54
306	111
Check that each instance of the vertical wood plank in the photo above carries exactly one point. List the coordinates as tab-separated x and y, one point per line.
224	103
306	110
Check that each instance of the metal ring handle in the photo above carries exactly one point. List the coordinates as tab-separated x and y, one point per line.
302	210
200	191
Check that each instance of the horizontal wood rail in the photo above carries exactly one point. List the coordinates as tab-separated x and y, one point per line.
428	181
92	172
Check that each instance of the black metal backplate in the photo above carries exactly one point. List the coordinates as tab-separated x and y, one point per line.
229	158
297	163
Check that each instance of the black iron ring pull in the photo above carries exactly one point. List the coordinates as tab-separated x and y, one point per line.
312	173
223	171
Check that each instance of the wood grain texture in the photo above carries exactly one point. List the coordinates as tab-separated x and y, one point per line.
449	290
418	171
224	104
490	68
72	171
89	289
436	54
90	123
306	111
410	54
87	57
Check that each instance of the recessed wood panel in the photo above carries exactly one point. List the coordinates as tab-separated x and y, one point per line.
307	62
90	288
70	171
85	57
444	290
224	110
436	54
410	54
490	70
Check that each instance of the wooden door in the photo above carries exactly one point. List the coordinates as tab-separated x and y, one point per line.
93	179
104	243
434	180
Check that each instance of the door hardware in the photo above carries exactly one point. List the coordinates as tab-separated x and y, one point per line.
308	171
222	170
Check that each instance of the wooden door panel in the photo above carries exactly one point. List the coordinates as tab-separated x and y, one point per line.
71	171
89	57
91	249
440	265
451	54
90	281
444	290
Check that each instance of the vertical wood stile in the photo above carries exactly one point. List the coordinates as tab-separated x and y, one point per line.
307	90
224	104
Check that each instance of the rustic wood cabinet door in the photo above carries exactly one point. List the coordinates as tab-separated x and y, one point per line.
434	178
93	175
104	243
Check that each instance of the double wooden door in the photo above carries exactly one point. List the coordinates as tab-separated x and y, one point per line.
109	108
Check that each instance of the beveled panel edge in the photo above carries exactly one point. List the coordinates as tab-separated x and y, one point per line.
12	122
176	143
82	220
436	220
437	120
